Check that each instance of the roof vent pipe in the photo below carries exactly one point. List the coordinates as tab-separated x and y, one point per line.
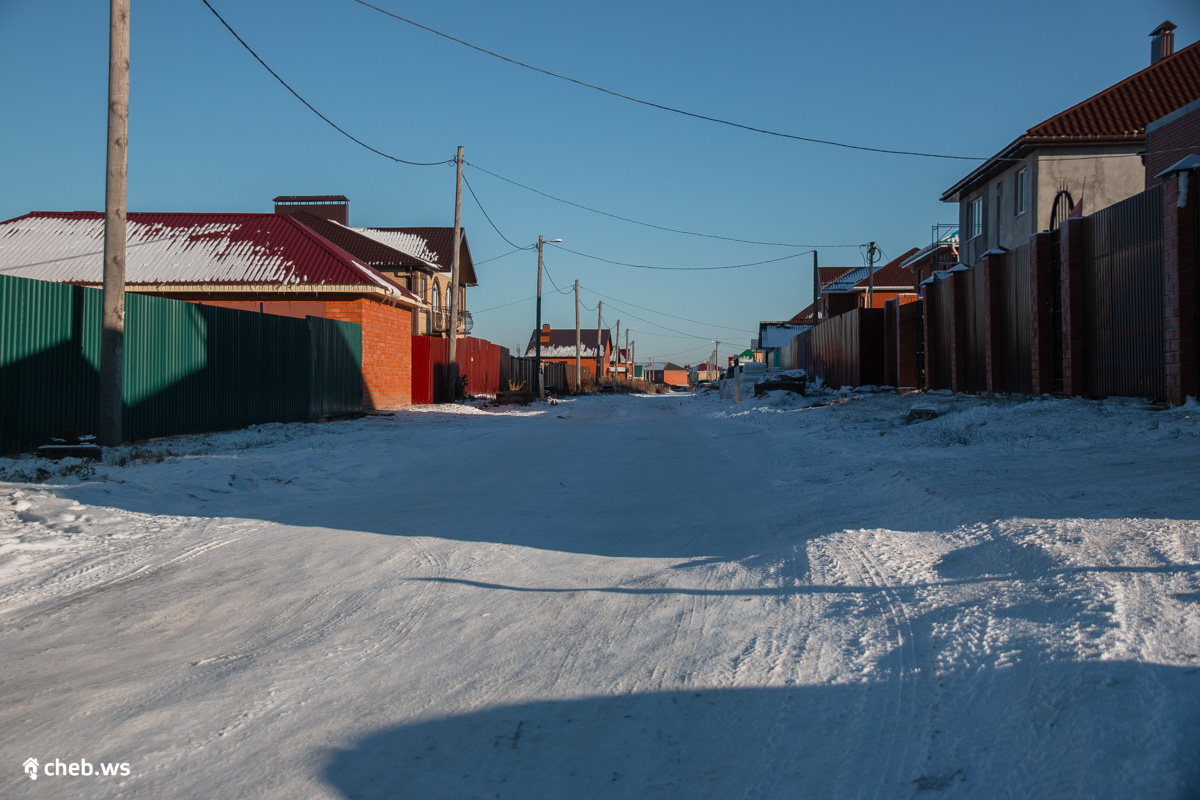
1162	42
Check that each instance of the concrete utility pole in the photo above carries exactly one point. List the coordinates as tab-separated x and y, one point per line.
599	343
452	367
538	333
112	331
871	276
578	343
617	347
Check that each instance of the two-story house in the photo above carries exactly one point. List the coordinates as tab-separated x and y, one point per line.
1076	162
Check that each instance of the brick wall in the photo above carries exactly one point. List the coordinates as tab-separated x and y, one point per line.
387	349
1167	144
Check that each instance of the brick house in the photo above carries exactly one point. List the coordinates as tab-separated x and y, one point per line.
1170	139
268	263
1076	162
847	288
420	259
558	345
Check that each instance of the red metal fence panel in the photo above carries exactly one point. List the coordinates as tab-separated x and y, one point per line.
480	361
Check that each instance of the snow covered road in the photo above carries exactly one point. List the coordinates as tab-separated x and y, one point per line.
661	597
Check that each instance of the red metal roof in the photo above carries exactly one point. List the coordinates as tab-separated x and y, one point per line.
372	251
176	249
440	244
890	274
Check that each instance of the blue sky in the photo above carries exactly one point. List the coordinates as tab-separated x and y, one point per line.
211	130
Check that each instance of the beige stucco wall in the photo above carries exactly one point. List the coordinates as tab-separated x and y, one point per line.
1099	181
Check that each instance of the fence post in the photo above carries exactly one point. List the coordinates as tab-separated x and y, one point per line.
1181	218
992	265
1073	311
1041	315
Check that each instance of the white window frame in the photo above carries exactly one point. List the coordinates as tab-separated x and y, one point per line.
1022	185
975	217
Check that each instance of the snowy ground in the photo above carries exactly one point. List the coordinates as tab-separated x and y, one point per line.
651	597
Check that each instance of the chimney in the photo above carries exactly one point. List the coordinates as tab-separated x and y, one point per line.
1162	42
545	335
333	207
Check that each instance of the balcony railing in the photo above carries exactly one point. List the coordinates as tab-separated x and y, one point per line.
440	321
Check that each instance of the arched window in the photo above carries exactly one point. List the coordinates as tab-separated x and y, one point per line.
437	299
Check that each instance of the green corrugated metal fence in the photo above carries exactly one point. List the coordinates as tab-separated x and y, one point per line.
187	368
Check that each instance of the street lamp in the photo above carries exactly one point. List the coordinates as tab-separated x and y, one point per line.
538	332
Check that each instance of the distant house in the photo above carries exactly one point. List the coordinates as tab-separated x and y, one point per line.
846	288
1076	162
269	263
665	373
559	345
940	254
420	259
772	336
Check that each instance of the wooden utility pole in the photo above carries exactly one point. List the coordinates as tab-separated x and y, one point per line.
578	342
452	367
816	289
599	343
632	360
112	330
628	360
871	276
617	347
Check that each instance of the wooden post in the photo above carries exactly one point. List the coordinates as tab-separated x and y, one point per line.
112	333
816	288
599	343
628	361
871	276
452	367
578	343
617	348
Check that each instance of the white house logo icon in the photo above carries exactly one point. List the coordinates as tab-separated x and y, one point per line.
31	767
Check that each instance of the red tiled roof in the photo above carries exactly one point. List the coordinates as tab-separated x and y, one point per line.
1118	115
890	274
1126	108
185	249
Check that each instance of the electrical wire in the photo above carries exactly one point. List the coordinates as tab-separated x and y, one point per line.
682	269
662	107
506	305
310	107
486	216
497	258
663	313
639	222
546	270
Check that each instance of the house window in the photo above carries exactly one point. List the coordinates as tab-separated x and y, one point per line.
1019	194
975	218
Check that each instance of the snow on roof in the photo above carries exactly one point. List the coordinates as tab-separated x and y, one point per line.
779	334
222	249
415	245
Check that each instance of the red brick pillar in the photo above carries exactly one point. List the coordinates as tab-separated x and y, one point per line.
1179	284
1073	314
992	265
1040	310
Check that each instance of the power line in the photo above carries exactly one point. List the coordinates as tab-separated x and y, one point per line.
682	269
663	313
506	305
488	218
310	107
497	258
639	222
661	107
